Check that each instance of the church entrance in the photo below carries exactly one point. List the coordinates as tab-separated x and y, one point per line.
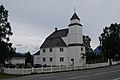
72	60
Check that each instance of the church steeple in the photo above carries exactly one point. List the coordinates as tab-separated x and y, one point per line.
75	16
75	20
75	30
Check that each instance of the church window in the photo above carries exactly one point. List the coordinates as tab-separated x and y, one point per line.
44	59
50	49
81	48
51	59
43	50
61	59
61	49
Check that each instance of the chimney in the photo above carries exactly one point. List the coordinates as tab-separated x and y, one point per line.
55	29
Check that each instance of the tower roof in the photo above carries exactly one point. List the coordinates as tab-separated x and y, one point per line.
75	16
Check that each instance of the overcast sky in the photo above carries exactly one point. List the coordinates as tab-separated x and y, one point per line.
33	20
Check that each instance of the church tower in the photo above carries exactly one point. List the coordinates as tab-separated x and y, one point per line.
76	48
75	30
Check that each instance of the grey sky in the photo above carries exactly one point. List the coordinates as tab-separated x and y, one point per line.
33	20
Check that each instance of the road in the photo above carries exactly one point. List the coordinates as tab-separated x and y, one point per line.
106	73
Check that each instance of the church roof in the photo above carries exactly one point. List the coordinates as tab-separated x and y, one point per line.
37	53
74	17
58	33
55	40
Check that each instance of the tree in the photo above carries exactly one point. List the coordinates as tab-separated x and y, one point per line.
110	42
28	59
6	49
88	50
86	41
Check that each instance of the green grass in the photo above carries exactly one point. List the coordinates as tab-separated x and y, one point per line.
4	76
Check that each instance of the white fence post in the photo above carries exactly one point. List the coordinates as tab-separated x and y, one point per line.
22	71
42	68
112	61
108	61
32	69
51	68
67	67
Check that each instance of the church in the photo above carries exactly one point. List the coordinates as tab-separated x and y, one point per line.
63	47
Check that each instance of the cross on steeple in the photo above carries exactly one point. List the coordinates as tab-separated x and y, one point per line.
74	9
75	15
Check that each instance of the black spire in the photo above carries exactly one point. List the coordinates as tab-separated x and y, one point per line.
75	16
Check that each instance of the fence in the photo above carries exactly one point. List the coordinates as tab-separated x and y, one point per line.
53	69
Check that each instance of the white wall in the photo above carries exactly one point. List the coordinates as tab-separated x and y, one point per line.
36	59
68	53
61	54
75	39
75	53
75	34
47	54
76	29
55	54
75	21
18	60
65	39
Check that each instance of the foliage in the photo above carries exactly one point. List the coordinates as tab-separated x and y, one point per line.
86	41
5	32
28	60
110	42
88	50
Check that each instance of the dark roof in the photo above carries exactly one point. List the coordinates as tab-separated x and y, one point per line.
55	40
58	33
75	24
75	17
37	53
18	55
98	50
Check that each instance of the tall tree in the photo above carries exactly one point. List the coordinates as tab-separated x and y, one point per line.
110	42
90	56
5	32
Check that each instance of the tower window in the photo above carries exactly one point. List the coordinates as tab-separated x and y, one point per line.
43	50
61	59
50	49
61	49
81	48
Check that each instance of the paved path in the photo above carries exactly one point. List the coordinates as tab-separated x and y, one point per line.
107	73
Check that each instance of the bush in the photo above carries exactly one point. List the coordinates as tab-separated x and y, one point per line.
20	65
10	66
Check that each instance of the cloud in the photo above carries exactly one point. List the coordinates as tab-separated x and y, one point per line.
19	45
33	20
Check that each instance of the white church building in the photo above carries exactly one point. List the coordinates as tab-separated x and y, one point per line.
63	47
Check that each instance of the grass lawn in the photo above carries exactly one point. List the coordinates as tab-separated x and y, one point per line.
3	76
